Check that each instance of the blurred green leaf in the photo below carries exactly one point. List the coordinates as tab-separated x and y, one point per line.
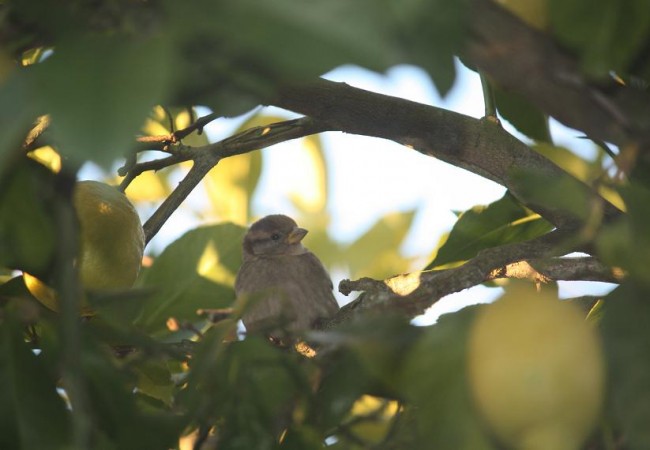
231	184
331	33
565	194
434	382
154	380
502	222
626	242
236	53
253	387
431	34
569	161
18	109
525	117
27	235
626	330
32	414
374	253
607	34
99	91
120	420
119	308
196	271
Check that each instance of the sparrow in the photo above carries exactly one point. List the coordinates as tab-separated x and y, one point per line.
288	288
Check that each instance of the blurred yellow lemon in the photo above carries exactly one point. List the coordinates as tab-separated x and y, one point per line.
536	371
111	242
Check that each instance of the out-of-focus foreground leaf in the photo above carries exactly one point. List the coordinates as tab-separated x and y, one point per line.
32	414
27	235
626	331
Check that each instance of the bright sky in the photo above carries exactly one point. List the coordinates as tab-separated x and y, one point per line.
359	167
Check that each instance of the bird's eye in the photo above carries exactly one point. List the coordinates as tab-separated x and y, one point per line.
275	236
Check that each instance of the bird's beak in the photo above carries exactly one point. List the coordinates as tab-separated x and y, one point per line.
296	235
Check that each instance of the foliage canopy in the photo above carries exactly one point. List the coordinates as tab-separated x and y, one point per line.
159	366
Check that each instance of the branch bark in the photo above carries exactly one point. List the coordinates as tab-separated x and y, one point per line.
527	61
480	146
412	294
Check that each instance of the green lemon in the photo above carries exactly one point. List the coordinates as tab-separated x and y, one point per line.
111	242
112	239
536	371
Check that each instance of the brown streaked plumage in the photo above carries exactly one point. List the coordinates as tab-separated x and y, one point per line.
288	286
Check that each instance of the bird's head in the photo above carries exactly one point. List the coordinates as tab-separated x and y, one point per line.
274	235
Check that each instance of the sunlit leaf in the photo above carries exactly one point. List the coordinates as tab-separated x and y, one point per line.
309	190
148	187
231	184
567	160
373	254
502	222
48	157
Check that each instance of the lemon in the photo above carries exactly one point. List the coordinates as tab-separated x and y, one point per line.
111	242
536	371
112	239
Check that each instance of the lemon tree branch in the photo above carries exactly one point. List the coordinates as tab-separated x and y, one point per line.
206	157
524	60
479	146
537	260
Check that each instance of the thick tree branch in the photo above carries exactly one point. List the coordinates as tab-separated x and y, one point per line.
479	146
412	294
524	60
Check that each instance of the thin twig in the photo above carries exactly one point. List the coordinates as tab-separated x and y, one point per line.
206	157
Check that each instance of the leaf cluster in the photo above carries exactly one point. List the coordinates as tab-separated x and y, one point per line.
163	365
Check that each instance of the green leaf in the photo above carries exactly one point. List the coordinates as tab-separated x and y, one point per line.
236	53
626	330
525	117
231	184
373	254
196	271
121	419
564	194
330	34
99	91
434	382
18	108
569	161
154	380
502	222
607	34
32	414
27	234
248	387
431	33
626	242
